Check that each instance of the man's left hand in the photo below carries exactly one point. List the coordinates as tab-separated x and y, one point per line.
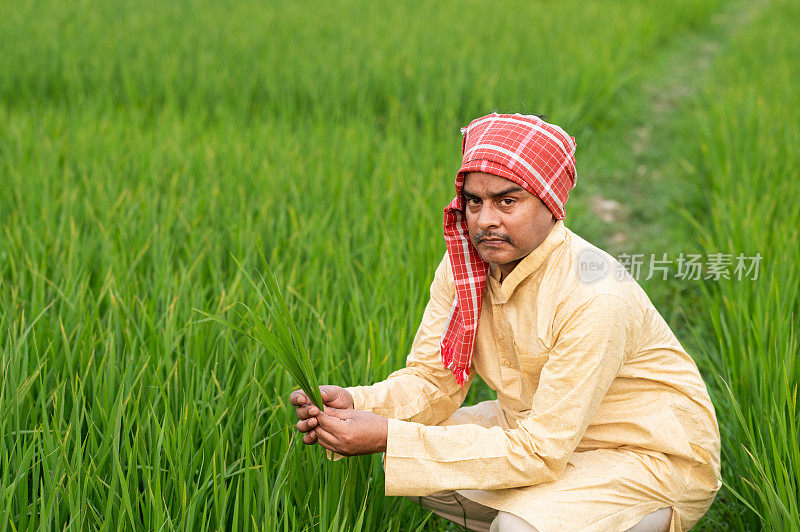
352	432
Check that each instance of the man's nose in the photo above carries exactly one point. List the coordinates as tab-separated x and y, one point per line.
488	217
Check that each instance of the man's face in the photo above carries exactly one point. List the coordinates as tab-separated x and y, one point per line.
505	221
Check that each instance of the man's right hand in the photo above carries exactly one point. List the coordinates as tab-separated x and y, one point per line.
333	396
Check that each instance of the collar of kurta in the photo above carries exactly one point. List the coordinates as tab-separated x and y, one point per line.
532	263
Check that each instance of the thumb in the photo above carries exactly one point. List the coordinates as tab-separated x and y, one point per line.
327	393
336	396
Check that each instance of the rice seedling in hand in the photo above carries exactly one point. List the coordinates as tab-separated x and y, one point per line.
278	334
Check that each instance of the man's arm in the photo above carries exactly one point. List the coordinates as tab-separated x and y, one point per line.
424	391
589	352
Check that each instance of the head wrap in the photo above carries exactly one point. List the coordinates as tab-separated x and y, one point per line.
536	155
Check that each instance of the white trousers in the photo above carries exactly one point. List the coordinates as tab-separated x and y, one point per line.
474	516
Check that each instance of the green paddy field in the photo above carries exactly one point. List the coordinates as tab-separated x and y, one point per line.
143	142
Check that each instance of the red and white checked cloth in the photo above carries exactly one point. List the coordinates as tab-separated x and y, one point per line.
539	157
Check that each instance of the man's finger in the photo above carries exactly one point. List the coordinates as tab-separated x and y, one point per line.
304	412
304	425
310	438
298	397
324	436
328	422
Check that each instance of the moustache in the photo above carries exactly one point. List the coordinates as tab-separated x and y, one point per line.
484	236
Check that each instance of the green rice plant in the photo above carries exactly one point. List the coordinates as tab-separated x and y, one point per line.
279	335
746	136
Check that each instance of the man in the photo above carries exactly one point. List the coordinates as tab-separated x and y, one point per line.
602	421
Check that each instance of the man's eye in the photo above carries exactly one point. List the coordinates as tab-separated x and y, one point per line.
473	201
507	201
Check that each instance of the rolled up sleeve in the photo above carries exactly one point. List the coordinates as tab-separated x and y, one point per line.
590	347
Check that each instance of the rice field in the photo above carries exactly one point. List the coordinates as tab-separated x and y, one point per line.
143	144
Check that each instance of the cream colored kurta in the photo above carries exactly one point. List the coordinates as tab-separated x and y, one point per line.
601	416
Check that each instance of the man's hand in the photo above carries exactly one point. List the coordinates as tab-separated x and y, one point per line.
332	396
351	432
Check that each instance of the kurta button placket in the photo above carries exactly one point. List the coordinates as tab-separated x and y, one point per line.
501	324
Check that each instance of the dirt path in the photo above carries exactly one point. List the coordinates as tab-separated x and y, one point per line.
630	189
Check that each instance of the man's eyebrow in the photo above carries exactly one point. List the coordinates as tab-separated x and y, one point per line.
509	190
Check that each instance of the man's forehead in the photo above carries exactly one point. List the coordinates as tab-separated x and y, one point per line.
476	183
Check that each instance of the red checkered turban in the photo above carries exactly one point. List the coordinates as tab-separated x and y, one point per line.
539	157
